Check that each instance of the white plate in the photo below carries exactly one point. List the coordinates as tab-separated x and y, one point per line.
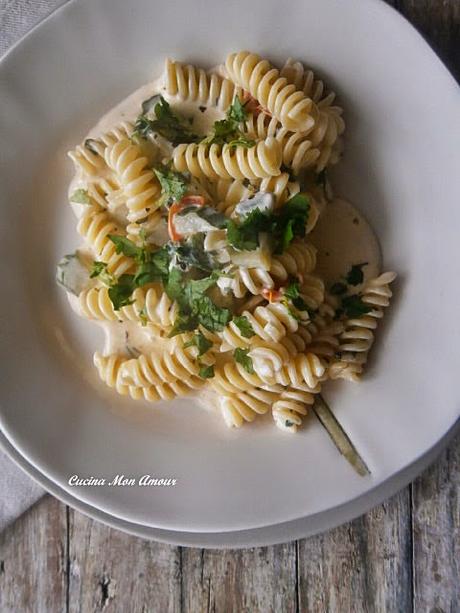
400	168
257	537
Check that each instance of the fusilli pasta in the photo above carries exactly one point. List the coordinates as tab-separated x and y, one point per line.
139	184
95	226
358	335
293	109
226	162
193	84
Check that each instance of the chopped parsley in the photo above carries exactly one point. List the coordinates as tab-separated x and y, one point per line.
337	289
244	326
356	275
283	226
206	372
245	235
120	292
99	269
242	357
292	291
353	306
166	123
80	196
227	131
200	342
196	307
173	184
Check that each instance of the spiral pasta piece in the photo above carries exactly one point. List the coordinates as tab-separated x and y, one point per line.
312	291
330	124
229	193
139	184
193	84
89	157
269	323
324	331
150	306
298	149
245	406
214	161
178	369
244	280
297	260
358	335
110	369
291	407
293	109
95	226
304	372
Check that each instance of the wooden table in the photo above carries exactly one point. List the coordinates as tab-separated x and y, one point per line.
402	556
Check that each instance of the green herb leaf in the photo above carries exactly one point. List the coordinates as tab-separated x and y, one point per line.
337	289
291	221
192	254
356	275
288	423
127	247
167	124
245	235
244	326
206	372
184	322
353	306
292	291
241	356
237	111
173	184
201	342
80	196
227	131
211	316
173	284
99	269
120	292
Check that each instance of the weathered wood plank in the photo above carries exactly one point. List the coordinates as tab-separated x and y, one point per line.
439	22
115	572
247	581
33	561
363	566
436	538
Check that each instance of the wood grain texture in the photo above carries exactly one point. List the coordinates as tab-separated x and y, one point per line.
436	535
258	579
111	571
362	566
33	560
403	556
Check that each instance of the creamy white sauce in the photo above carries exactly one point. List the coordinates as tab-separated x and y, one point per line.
344	238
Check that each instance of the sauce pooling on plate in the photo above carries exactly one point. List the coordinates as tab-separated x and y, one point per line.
344	238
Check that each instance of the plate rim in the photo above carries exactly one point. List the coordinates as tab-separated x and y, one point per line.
265	536
373	489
